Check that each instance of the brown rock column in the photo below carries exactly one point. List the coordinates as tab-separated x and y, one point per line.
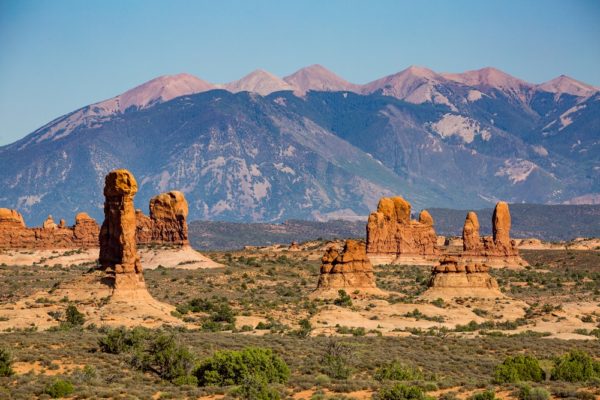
169	211
117	235
501	226
425	218
470	235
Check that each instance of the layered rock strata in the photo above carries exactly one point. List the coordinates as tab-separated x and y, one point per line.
456	277
15	235
349	269
167	221
392	237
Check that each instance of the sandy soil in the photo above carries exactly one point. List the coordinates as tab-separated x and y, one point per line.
178	257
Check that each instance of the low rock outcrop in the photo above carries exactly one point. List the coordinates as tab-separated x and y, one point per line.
392	237
456	277
497	250
14	234
349	269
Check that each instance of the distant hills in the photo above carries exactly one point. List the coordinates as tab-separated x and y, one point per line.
549	223
314	146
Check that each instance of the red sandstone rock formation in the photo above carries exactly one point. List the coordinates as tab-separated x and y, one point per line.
167	221
456	277
392	235
15	235
470	235
349	269
118	250
498	250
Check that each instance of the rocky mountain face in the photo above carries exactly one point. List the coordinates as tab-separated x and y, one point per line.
314	146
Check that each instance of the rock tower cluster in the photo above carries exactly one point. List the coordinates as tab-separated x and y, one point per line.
496	250
392	237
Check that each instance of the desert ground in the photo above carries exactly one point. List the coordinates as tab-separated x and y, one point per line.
547	309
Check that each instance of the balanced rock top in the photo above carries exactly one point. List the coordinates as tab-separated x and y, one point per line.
120	182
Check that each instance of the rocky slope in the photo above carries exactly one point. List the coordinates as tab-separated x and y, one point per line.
314	146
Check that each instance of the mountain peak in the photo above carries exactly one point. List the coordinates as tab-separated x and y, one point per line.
163	88
565	84
488	76
258	81
317	77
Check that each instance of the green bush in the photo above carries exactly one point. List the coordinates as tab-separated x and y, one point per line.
397	371
519	368
343	299
335	361
119	340
255	387
528	393
485	395
230	367
73	317
165	357
5	363
401	392
575	366
59	388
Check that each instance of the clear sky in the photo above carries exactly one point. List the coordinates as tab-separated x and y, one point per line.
59	55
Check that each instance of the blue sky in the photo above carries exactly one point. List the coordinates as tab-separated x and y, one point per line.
56	56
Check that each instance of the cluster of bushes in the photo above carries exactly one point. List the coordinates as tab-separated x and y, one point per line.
158	353
5	363
397	371
252	368
400	391
221	317
574	366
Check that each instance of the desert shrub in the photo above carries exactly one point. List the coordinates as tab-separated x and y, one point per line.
575	366
519	368
164	356
59	388
73	318
119	340
305	328
6	363
255	387
401	392
335	361
526	392
231	367
485	395
397	371
343	299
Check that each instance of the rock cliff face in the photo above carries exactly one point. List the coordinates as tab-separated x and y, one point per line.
14	234
455	277
498	250
393	237
167	221
348	269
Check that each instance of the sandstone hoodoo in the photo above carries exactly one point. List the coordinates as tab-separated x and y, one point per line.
455	277
14	234
118	248
348	269
115	293
167	221
392	237
498	250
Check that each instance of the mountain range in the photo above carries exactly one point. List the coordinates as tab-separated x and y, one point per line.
312	145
